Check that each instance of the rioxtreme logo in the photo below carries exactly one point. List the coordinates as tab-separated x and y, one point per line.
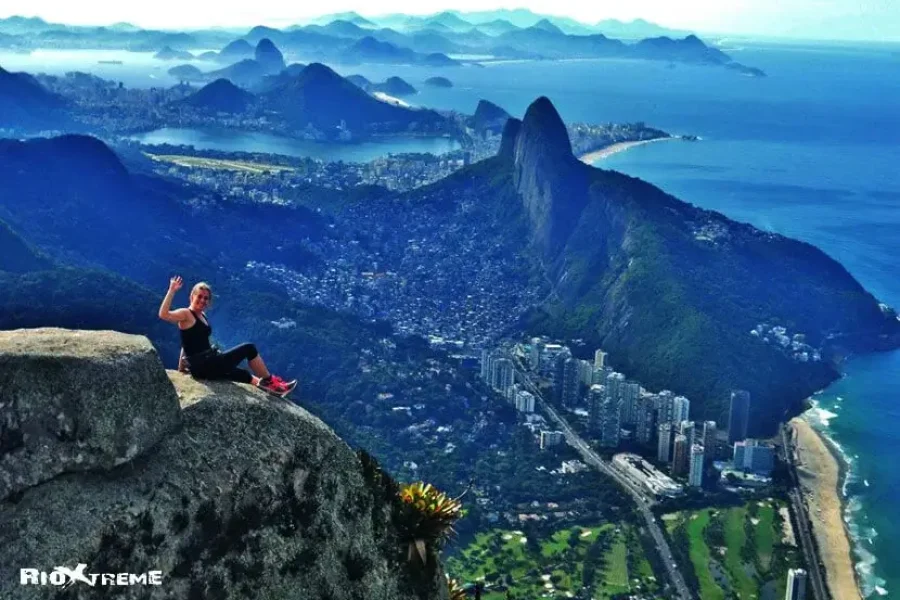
64	577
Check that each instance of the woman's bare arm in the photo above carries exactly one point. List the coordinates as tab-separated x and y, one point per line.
165	309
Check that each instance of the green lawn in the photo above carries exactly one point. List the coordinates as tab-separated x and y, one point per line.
500	556
700	555
735	539
754	553
764	536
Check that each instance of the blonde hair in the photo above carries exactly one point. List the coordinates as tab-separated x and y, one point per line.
205	287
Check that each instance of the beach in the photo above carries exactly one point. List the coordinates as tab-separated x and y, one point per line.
820	478
598	155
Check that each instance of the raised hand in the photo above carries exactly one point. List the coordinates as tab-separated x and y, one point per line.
175	284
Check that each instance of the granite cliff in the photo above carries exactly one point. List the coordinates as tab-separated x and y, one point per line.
108	460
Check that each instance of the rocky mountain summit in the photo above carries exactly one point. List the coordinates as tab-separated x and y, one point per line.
108	460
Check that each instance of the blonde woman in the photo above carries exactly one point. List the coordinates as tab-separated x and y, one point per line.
201	358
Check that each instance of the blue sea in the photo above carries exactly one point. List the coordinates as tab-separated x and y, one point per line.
811	151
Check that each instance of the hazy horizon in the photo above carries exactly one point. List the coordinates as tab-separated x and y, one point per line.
849	20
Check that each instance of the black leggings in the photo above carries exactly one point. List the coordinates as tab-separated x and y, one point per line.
223	365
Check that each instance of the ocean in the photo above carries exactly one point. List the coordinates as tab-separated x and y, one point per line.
811	151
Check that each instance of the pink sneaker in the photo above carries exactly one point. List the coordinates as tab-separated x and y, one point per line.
278	386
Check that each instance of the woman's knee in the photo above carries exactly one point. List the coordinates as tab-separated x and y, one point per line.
250	351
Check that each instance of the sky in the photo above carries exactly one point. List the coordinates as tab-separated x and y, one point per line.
822	19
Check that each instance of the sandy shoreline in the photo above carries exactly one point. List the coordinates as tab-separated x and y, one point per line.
597	155
820	479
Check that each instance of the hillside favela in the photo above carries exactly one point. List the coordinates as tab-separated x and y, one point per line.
450	300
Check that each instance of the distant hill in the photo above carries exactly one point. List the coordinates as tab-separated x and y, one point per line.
394	86
339	28
360	82
349	17
246	73
322	98
371	50
488	117
220	96
235	51
496	27
25	104
269	57
547	26
450	20
440	82
635	30
187	73
167	53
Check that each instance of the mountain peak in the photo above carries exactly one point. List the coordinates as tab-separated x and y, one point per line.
543	127
548	177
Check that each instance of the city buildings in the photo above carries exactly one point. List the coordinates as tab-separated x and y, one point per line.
610	424
695	472
753	457
599	359
680	456
525	402
710	439
738	415
689	430
664	443
645	475
645	419
596	396
681	409
796	585
551	438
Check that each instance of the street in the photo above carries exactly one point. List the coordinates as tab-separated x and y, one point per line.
592	459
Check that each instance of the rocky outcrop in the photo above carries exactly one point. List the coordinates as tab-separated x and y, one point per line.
250	497
548	177
68	403
270	57
488	117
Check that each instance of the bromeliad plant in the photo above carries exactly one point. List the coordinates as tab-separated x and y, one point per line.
429	517
455	591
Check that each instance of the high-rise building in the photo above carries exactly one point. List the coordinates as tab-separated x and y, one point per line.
525	402
503	374
559	371
571	385
645	419
751	456
738	416
551	438
595	406
695	473
796	585
665	407
709	439
681	456
486	359
629	392
681	409
689	430
599	359
585	373
511	392
610	424
664	443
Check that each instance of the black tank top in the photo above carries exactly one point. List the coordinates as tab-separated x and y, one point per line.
195	339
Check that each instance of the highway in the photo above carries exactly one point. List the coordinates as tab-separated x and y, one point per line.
798	506
591	458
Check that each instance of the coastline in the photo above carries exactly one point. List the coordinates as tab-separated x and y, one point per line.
821	473
606	152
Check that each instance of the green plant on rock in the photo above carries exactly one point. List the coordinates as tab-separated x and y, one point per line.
429	515
455	590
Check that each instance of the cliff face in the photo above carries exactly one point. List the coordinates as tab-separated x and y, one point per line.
229	493
548	177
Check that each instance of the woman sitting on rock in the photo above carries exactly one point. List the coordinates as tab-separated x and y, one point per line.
206	362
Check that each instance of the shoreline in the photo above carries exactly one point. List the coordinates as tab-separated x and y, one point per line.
607	151
821	473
